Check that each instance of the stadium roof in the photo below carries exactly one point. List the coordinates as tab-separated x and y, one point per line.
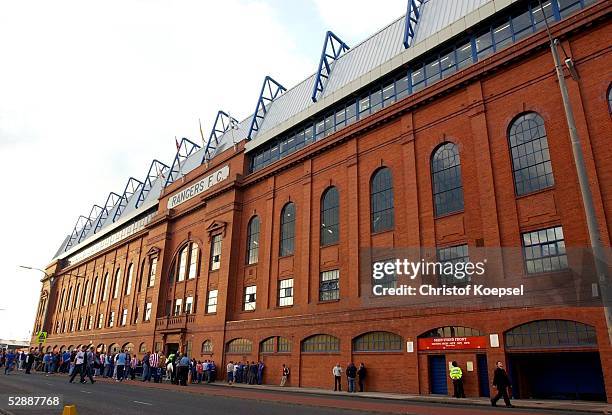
433	22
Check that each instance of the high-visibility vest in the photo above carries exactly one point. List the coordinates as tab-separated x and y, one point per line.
456	373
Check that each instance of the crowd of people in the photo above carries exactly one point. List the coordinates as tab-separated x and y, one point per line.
180	369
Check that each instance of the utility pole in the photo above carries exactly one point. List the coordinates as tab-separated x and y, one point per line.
601	267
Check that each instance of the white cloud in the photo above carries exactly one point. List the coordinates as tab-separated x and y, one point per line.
355	20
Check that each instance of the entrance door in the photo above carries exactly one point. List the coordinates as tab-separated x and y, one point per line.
437	374
171	348
561	375
483	375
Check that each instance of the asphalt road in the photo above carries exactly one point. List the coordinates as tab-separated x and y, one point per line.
105	397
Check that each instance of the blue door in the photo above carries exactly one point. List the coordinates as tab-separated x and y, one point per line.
437	374
483	375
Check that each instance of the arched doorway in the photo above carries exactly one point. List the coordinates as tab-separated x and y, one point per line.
129	347
555	359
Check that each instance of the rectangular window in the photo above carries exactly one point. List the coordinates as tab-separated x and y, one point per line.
387	280
544	250
178	306
329	285
250	297
351	113
502	34
432	71
128	284
320	129
417	79
464	55
152	271
388	94
453	255
484	45
89	322
285	292
448	63
147	316
111	319
211	304
376	100
522	26
117	284
136	315
215	252
188	305
100	320
124	315
401	87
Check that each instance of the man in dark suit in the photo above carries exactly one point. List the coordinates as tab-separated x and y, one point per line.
501	382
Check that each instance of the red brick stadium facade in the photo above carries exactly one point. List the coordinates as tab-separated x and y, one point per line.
474	109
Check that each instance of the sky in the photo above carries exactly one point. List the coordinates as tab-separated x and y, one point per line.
91	92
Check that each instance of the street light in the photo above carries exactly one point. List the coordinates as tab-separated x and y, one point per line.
583	179
52	280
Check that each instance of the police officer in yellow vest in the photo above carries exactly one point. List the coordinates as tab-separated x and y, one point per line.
457	376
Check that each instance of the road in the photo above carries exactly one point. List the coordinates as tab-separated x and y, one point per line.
106	397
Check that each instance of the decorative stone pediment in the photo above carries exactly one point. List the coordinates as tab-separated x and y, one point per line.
216	227
153	252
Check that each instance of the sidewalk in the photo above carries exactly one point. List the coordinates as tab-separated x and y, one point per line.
557	405
572	406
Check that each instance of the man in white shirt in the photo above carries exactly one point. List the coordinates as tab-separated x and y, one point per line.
230	372
337	372
80	361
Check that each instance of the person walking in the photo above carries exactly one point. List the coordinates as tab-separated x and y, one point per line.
351	374
260	369
284	375
230	372
337	372
501	382
120	363
456	375
9	358
146	368
81	366
361	374
29	361
183	370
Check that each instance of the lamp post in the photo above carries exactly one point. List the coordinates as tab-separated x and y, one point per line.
583	179
52	280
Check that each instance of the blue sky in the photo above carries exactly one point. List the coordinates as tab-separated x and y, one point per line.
93	91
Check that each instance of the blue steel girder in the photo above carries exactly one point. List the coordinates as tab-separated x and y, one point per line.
111	201
93	215
270	89
222	124
332	49
157	170
132	186
76	231
413	13
186	148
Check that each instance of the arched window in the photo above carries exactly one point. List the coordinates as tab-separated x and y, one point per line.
61	301
142	348
94	291
287	234
321	343
446	179
239	346
275	344
113	348
186	263
551	334
128	283
381	198
100	349
76	296
85	293
252	254
531	163
610	99
378	341
117	283
207	347
452	331
105	288
68	299
330	216
128	347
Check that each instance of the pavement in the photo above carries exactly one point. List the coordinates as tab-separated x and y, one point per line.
134	397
